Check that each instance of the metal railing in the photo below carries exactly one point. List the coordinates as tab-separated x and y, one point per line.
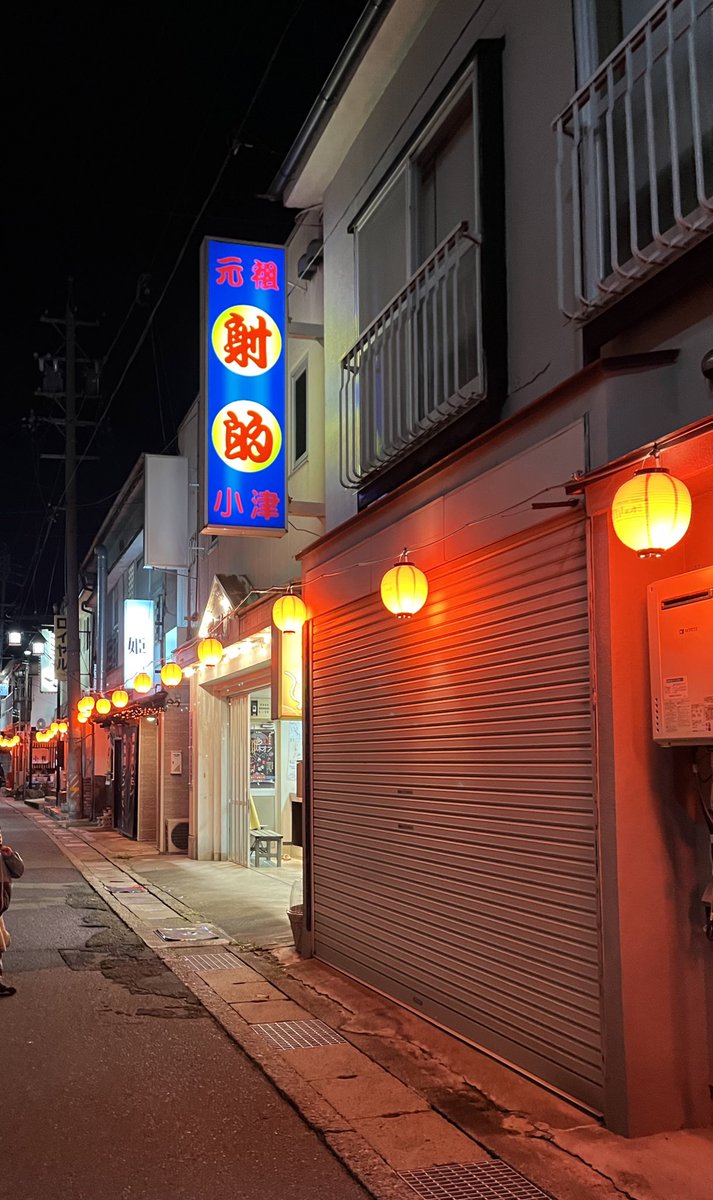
635	159
417	365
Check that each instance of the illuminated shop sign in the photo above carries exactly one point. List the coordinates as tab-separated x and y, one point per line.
138	638
243	393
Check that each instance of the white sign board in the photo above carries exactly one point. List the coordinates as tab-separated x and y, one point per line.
138	638
60	647
48	679
166	498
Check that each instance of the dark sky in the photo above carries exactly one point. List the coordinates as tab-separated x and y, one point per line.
116	122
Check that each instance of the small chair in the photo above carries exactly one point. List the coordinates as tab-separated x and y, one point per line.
266	843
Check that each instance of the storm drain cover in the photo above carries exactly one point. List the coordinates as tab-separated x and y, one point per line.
214	960
472	1181
189	933
124	887
298	1035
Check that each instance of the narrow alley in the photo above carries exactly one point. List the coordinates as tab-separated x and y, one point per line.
117	1082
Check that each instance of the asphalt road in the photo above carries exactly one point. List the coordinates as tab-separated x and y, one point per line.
114	1082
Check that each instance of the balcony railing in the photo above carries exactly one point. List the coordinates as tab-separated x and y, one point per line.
635	159
418	365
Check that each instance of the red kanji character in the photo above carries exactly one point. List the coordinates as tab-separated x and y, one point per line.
246	343
228	502
265	504
264	276
230	271
247	440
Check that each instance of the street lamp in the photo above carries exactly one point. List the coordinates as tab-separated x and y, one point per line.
14	638
37	645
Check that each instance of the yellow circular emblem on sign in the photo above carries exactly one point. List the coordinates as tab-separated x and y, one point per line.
246	436
246	340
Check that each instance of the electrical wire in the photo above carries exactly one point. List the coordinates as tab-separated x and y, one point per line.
234	148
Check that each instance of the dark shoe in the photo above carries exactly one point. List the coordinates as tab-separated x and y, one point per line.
7	991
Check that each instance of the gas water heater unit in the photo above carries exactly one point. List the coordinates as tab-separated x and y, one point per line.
681	658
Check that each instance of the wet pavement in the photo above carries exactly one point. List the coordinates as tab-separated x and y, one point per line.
117	1083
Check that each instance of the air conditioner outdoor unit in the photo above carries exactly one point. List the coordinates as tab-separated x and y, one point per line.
177	836
681	658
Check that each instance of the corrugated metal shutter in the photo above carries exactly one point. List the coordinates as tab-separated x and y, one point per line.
455	860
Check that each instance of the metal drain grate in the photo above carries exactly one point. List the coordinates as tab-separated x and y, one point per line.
472	1181
298	1035
187	933
214	960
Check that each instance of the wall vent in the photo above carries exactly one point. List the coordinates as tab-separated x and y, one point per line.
177	836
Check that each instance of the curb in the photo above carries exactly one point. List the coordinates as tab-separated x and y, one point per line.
352	1150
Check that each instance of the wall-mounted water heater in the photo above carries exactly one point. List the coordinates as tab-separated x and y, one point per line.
681	658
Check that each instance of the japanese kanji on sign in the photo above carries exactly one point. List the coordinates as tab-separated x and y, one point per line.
243	388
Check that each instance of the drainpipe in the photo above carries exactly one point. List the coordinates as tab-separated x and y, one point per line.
100	669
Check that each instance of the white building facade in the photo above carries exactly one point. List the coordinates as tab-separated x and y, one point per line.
516	254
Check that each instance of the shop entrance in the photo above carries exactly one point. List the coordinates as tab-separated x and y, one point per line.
275	749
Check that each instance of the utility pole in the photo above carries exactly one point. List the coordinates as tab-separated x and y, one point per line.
71	560
4	572
74	685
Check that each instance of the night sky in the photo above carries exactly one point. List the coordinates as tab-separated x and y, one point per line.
117	121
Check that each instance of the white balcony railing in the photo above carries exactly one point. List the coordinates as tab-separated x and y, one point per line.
417	365
635	159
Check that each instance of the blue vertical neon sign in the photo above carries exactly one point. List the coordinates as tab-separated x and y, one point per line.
244	350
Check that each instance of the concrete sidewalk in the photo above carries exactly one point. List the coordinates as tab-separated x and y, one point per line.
405	1105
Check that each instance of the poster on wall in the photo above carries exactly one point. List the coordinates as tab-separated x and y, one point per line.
262	757
243	356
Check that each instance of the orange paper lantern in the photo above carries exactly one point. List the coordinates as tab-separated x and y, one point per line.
651	512
404	588
210	652
120	698
103	706
289	613
142	682
171	675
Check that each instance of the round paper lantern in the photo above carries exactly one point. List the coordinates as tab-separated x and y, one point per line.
63	727
289	613
103	706
86	704
210	652
404	589
82	718
54	727
142	682
120	698
171	675
651	512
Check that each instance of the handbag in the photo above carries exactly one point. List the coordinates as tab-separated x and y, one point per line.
4	937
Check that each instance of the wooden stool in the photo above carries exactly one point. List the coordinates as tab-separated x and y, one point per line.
267	844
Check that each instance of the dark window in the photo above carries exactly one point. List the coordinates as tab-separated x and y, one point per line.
299	415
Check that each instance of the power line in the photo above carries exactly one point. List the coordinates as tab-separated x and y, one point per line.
236	145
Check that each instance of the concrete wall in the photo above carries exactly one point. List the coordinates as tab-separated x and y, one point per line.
173	800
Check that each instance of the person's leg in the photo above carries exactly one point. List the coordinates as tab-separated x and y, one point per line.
5	991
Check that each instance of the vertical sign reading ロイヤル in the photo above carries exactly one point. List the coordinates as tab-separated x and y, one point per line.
243	395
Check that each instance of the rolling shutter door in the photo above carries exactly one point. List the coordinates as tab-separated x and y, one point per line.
455	862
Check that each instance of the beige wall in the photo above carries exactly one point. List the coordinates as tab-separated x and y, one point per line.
174	787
